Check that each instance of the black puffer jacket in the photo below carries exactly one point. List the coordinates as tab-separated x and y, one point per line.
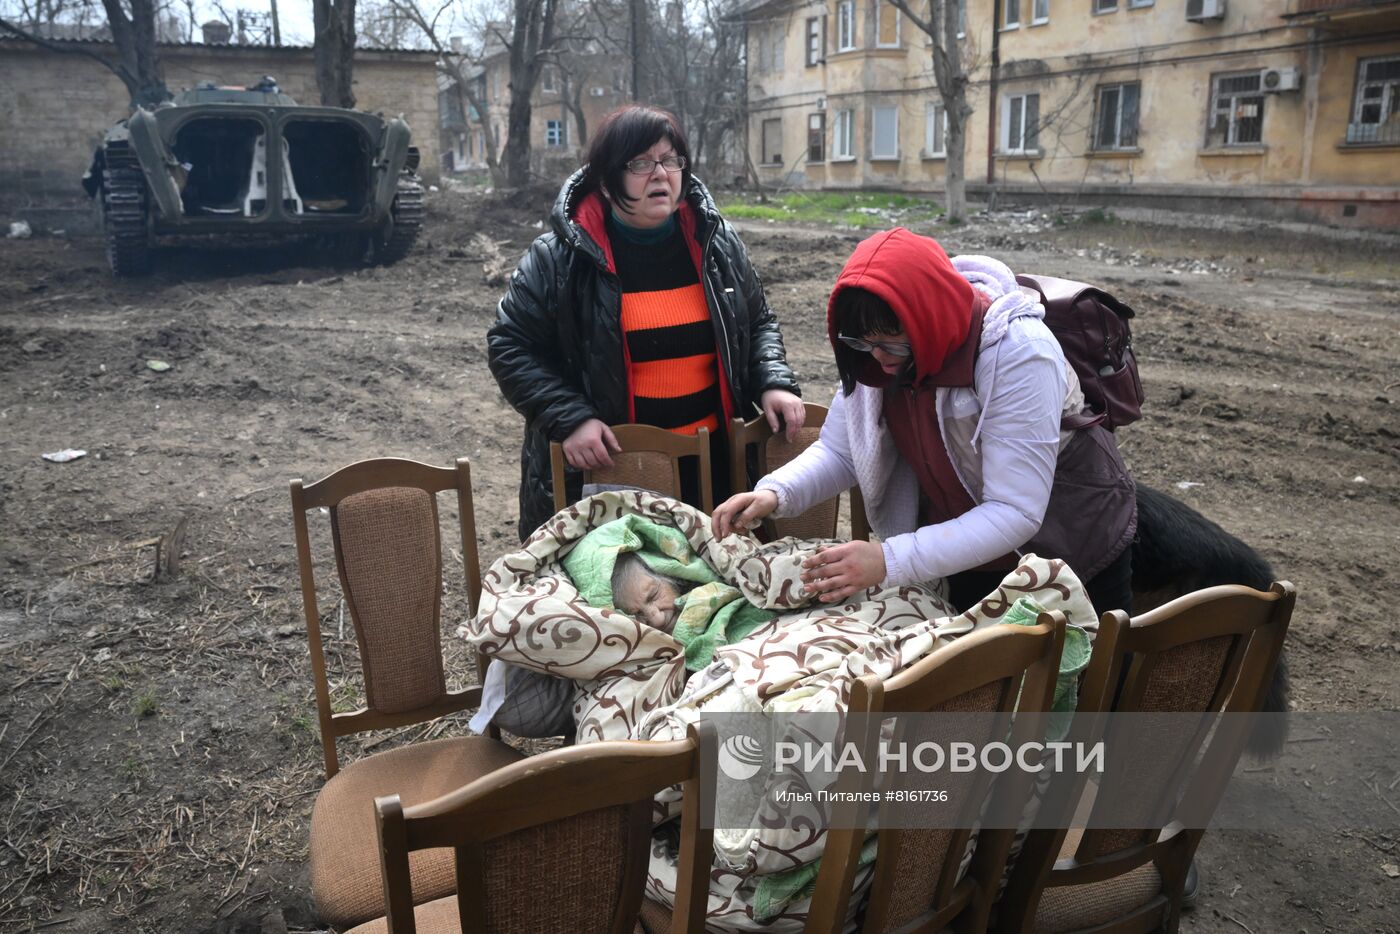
556	347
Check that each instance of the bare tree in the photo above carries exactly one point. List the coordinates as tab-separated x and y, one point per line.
942	23
132	24
334	51
457	62
532	39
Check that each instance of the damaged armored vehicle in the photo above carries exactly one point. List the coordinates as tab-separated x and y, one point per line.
250	163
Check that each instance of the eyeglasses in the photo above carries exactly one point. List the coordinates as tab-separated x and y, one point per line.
647	166
893	348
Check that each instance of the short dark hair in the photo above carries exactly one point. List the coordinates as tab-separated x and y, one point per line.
624	134
859	313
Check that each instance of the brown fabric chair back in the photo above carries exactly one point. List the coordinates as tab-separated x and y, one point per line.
772	451
388	554
916	882
1209	652
562	835
650	460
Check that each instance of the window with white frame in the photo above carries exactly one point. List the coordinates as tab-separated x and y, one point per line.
1105	6
1376	114
935	130
1040	12
1139	4
884	132
845	25
772	141
1010	14
816	137
548	79
556	133
816	41
1116	116
886	25
1236	110
1020	123
843	135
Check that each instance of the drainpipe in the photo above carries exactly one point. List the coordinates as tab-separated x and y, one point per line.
992	99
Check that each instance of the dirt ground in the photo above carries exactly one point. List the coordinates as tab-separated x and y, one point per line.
158	749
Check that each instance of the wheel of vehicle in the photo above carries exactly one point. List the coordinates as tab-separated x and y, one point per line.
124	210
396	237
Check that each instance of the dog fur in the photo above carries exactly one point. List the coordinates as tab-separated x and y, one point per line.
1177	550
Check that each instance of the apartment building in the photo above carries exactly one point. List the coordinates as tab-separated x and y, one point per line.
584	81
1289	108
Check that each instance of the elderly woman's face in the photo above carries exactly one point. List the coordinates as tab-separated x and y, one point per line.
656	194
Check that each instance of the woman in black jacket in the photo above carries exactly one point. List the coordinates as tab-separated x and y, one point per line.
640	306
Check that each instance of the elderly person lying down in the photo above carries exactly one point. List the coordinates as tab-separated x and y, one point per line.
652	622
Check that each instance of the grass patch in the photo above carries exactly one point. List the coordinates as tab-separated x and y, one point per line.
145	704
1098	216
852	208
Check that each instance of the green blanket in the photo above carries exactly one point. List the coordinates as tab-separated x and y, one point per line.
712	614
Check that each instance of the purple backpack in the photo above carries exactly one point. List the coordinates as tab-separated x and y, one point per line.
1092	328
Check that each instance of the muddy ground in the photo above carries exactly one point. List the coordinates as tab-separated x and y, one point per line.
158	751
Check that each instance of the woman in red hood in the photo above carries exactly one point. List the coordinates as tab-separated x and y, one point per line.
956	419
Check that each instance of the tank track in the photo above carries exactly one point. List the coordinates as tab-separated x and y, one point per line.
124	207
407	216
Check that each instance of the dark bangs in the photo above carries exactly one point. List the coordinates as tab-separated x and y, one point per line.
859	313
624	134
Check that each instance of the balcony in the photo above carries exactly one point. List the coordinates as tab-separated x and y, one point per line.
1343	10
1375	134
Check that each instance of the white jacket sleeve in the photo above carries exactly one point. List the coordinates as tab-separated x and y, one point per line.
818	473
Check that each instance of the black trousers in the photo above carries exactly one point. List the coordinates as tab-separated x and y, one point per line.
1110	589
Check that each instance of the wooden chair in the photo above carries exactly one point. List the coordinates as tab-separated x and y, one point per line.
557	843
1212	651
915	885
774	450
388	554
650	460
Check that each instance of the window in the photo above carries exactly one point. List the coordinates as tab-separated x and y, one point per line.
1105	6
1376	115
845	25
1010	14
1116	123
962	18
1040	12
1139	4
1020	119
935	130
816	137
884	133
816	41
556	133
843	139
767	50
548	79
886	26
773	141
1236	110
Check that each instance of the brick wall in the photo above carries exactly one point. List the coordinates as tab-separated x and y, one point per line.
55	107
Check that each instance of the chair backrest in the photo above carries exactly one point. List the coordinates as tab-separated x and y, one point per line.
650	460
915	885
1209	652
388	553
773	450
562	835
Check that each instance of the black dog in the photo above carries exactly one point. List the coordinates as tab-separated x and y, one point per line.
1177	551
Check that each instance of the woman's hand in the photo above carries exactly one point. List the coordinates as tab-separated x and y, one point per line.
781	402
742	511
835	573
587	447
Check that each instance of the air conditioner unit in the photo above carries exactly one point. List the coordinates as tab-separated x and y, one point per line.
1198	11
598	92
1274	80
821	103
